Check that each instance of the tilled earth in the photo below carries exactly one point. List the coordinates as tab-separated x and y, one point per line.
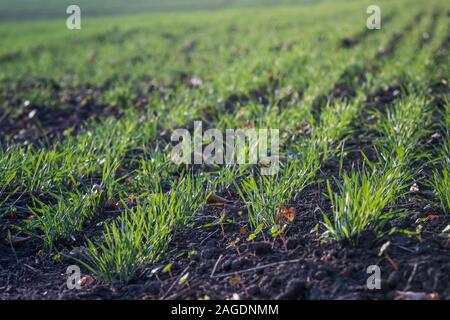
222	264
307	268
215	258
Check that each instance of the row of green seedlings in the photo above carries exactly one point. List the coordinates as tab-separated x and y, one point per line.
268	197
63	187
365	198
142	233
441	178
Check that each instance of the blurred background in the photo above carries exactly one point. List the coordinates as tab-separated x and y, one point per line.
39	9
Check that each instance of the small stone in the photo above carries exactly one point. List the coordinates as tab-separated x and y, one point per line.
291	244
415	188
96	188
393	279
208	253
320	275
253	290
226	265
211	243
32	114
261	248
294	290
315	294
153	287
367	239
237	263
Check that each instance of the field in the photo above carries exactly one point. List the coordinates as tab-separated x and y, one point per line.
87	175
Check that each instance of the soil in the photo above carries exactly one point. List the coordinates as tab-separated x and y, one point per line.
304	267
23	123
351	42
312	269
66	109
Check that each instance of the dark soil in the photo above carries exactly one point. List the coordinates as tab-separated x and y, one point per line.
304	267
23	122
66	109
47	125
391	47
351	42
428	35
262	269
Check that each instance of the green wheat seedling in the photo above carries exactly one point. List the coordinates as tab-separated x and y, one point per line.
402	128
9	188
88	118
226	176
335	127
153	170
192	192
441	178
143	233
61	220
363	198
441	185
363	201
65	212
263	195
139	237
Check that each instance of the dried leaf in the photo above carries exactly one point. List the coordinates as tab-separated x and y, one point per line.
276	217
233	244
184	279
167	268
265	162
85	280
17	239
392	262
235	281
289	214
275	231
251	237
218	199
410	295
432	217
384	248
446	232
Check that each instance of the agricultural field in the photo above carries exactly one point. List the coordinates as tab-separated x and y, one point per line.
88	177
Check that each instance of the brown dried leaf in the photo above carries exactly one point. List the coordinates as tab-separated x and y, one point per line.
17	239
235	281
410	295
218	199
85	280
